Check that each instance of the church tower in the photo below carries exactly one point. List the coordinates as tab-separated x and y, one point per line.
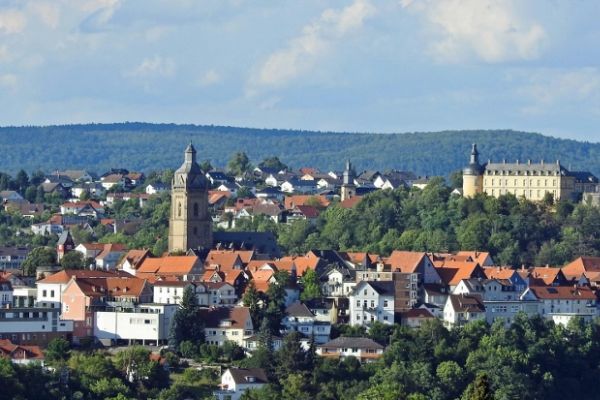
473	175
348	187
190	224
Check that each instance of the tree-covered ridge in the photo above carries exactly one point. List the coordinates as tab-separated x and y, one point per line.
141	146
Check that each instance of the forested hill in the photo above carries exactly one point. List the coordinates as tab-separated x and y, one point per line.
141	146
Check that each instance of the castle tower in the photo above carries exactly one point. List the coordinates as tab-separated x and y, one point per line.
473	175
190	224
348	187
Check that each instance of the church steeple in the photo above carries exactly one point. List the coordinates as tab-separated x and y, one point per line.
190	224
348	188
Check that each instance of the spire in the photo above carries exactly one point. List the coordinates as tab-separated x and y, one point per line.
474	155
190	153
349	174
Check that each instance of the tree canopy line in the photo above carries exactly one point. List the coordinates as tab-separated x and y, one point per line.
514	230
135	145
530	359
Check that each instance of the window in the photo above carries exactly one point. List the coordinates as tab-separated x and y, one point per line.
385	303
44	294
357	303
52	293
372	303
195	209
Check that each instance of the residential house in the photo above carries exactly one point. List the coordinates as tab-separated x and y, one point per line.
582	266
299	186
299	318
236	381
94	189
563	303
461	309
186	268
157	188
415	317
170	292
363	349
20	354
372	301
227	324
546	276
132	260
12	256
324	309
82	297
221	294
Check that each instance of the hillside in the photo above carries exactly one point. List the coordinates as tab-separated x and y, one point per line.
140	146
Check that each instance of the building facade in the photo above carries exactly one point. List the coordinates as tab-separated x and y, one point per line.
190	224
532	181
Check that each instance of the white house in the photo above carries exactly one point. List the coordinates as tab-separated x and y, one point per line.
220	294
6	293
338	282
300	319
562	303
372	301
236	381
169	292
461	309
224	324
156	188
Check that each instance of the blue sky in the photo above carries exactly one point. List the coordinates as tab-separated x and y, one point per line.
356	65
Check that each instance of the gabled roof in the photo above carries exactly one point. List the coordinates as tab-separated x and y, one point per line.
242	375
384	288
405	261
581	265
224	259
20	352
466	303
563	292
64	276
299	309
344	342
477	256
499	272
303	263
299	200
452	272
135	258
169	265
236	316
539	276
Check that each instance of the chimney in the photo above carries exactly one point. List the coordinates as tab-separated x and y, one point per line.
517	162
528	162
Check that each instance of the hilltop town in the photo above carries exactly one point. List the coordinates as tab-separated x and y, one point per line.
234	268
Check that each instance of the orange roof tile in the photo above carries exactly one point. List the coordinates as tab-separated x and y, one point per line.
65	276
351	202
405	261
301	199
169	265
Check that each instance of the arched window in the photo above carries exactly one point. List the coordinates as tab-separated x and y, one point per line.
179	209
195	209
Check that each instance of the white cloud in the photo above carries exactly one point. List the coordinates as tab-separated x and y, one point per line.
8	81
12	21
490	30
48	13
548	88
302	52
209	78
154	67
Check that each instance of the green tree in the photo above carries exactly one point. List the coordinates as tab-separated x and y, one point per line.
73	260
38	257
239	164
479	389
186	324
273	163
57	351
311	286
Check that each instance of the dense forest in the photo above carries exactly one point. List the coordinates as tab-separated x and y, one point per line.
531	359
141	146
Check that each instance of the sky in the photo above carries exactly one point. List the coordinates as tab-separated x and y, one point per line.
357	65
